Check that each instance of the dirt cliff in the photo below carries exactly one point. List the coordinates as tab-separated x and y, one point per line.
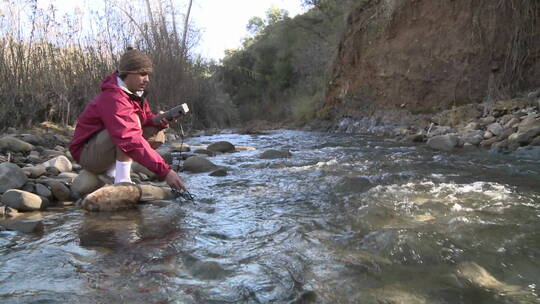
422	56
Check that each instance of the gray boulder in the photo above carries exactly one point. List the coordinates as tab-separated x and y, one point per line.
138	168
24	226
115	197
11	177
86	182
528	123
59	190
22	200
197	164
33	139
219	172
272	154
527	137
221	146
10	143
43	191
443	142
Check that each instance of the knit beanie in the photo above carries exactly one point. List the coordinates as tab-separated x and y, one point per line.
134	61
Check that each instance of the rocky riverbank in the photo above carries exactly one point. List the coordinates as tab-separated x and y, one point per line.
506	126
38	174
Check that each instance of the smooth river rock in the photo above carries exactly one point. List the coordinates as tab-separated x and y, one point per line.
12	144
221	146
197	164
115	197
22	200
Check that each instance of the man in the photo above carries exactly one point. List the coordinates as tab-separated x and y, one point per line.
118	126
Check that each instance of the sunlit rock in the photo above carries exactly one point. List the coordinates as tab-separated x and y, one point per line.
115	197
62	163
22	200
35	171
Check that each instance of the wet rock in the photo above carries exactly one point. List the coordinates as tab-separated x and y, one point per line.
204	151
61	163
59	190
7	211
34	172
479	276
488	135
219	172
197	164
244	148
85	182
180	147
22	200
495	128
530	152
11	177
43	191
273	154
443	142
115	197
24	226
12	144
167	157
221	146
154	193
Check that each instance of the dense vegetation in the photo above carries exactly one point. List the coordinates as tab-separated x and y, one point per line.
280	73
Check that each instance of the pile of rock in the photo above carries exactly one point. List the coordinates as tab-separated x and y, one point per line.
36	174
509	126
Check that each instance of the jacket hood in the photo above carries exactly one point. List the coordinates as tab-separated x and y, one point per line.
110	82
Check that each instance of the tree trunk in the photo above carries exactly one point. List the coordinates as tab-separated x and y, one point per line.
184	36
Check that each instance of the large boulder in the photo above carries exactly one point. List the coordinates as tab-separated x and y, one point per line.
115	197
154	193
11	177
197	164
22	200
12	144
443	142
526	137
495	128
86	182
61	163
528	123
221	146
473	137
271	154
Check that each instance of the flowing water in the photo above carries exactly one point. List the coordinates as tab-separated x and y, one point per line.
346	219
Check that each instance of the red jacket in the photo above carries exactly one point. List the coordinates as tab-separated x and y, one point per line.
118	112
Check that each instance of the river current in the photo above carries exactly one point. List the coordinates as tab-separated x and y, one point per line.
346	219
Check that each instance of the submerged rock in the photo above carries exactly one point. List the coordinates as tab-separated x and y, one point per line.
115	197
271	154
24	226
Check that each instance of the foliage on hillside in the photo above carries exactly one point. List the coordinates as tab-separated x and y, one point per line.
280	72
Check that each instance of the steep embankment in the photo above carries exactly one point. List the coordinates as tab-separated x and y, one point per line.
418	56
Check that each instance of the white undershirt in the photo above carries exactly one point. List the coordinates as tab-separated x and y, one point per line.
123	86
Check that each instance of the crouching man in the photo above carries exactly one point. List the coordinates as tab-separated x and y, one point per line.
118	126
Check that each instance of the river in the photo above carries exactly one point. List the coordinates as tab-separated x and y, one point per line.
346	219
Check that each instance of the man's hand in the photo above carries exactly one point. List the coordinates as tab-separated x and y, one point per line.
175	181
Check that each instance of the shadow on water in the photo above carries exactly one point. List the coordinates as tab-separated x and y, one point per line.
346	219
